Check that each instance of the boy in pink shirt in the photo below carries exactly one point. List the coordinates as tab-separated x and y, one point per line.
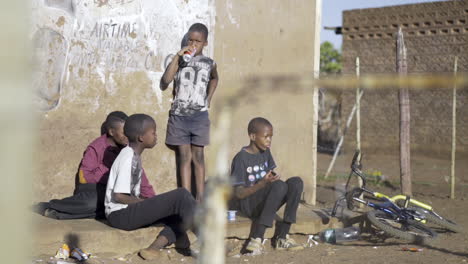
88	198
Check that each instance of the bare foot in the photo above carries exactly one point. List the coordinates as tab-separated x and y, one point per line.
151	254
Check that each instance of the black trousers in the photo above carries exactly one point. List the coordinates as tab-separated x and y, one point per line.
174	209
262	206
86	202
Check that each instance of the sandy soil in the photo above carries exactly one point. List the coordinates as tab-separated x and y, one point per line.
430	184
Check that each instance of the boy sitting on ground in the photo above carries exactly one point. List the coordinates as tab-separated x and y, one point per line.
90	183
125	207
259	192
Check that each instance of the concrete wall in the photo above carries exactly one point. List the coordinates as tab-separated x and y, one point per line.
254	43
95	56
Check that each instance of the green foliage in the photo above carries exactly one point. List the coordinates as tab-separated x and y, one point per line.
330	58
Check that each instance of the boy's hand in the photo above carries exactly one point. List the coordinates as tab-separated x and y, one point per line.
271	176
184	49
172	68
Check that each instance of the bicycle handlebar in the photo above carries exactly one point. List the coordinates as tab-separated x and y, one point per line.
356	163
359	173
356	166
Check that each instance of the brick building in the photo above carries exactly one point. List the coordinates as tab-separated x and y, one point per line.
434	34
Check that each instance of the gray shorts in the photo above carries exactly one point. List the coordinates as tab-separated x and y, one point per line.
188	130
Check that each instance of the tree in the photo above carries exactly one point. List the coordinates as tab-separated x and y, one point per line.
330	58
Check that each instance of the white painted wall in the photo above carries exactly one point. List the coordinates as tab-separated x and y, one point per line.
100	38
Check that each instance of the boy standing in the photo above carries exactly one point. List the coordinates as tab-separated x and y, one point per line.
126	208
188	127
259	192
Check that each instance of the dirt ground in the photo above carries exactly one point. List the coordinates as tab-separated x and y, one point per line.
430	185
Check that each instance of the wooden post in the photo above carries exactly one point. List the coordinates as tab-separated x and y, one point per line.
358	109
454	131
212	217
310	184
405	146
358	120
19	131
310	187
340	142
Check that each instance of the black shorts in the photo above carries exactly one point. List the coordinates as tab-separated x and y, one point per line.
188	130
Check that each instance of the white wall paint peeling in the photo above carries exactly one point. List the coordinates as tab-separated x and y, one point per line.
231	17
106	38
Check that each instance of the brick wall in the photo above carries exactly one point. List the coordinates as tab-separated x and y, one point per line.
434	34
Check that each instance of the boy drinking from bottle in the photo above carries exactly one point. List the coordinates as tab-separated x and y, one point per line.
188	127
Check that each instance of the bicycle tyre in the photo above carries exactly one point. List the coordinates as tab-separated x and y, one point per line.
411	231
440	221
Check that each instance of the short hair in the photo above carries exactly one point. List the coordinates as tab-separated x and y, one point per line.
136	126
199	27
256	123
112	119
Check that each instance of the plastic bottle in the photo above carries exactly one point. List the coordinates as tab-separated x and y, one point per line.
338	235
79	255
63	252
188	55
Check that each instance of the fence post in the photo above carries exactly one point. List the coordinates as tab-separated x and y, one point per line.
405	146
212	222
19	125
340	142
310	185
358	119
355	109
454	131
358	109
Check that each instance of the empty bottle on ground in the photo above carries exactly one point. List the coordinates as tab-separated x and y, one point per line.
338	235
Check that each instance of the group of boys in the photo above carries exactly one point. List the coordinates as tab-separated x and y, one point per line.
111	180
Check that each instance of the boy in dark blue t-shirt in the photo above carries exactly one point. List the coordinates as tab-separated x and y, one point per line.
259	192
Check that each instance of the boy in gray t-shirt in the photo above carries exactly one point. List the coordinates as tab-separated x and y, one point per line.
188	127
258	192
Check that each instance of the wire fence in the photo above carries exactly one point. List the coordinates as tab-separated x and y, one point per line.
433	120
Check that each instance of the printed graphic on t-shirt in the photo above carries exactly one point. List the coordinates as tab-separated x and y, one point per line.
256	172
191	86
136	173
247	169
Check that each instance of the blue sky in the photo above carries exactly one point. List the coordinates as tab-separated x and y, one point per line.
332	13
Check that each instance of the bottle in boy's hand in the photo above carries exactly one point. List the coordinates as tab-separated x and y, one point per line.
188	55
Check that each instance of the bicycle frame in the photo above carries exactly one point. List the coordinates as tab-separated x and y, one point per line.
356	170
387	206
402	213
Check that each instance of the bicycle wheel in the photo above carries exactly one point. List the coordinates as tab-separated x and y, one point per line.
409	230
439	220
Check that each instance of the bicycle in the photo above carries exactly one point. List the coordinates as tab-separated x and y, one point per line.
402	222
405	201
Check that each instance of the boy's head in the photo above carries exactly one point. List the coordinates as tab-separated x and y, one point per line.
260	133
198	37
113	127
141	128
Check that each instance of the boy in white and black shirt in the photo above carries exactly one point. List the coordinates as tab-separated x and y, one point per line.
125	207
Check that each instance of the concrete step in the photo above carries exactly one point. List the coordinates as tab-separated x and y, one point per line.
98	237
